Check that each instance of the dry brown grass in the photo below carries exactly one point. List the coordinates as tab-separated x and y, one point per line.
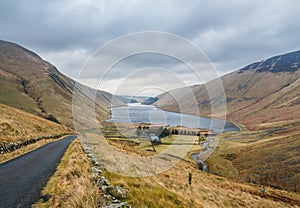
148	192
263	157
253	98
171	189
17	125
71	186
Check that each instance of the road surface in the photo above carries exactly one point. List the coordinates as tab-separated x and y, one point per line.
23	178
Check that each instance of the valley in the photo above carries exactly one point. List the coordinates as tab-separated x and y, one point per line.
262	98
171	187
257	166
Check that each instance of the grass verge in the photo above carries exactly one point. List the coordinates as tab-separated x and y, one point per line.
146	192
71	186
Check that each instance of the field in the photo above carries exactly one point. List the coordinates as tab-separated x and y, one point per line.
171	188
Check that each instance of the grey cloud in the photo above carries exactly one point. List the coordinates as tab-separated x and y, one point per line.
166	51
232	33
150	78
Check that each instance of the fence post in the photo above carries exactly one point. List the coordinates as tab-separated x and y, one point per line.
190	178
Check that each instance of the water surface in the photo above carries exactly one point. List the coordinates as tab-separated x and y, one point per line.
138	113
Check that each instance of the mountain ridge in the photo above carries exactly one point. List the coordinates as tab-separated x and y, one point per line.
248	90
265	102
290	58
36	86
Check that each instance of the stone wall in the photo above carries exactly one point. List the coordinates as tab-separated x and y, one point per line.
12	146
111	196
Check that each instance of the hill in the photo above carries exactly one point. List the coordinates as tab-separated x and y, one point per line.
21	132
266	157
265	91
264	97
17	125
126	99
150	101
29	83
132	99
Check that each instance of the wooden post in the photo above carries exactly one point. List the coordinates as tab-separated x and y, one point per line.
152	145
190	178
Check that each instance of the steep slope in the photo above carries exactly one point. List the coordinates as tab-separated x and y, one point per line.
265	91
17	125
29	83
267	157
264	96
22	132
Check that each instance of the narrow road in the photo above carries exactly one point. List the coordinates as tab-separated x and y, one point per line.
23	178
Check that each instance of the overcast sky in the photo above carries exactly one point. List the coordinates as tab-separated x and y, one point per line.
232	33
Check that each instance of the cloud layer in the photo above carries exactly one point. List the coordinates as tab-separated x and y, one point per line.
232	33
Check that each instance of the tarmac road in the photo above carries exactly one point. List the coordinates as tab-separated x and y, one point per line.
23	178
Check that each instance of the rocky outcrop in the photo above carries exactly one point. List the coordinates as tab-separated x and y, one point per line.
115	191
111	196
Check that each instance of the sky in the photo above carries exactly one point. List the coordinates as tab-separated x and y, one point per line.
230	34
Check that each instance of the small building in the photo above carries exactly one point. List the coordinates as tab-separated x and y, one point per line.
154	139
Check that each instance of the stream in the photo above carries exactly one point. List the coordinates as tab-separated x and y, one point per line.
196	156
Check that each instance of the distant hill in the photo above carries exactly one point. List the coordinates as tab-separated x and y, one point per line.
29	83
265	91
126	99
150	101
132	99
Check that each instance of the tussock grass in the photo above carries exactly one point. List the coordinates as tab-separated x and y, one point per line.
171	188
17	125
146	192
71	186
267	157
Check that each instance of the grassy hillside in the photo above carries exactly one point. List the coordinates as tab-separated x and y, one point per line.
264	97
171	188
268	157
29	83
17	125
266	91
